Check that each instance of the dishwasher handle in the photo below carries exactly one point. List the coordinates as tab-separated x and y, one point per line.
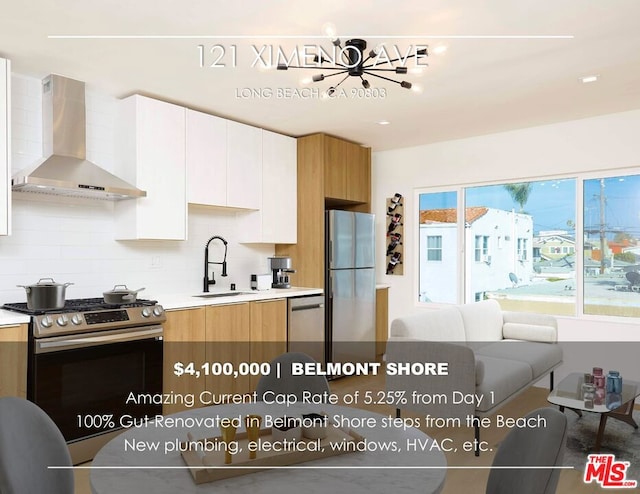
306	307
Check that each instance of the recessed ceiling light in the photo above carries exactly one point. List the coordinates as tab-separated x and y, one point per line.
589	78
439	50
384	122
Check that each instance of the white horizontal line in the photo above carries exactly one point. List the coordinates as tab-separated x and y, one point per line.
309	467
304	36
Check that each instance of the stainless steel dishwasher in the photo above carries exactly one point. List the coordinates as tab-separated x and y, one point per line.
306	326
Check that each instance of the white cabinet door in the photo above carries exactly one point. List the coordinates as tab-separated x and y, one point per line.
5	147
276	222
279	188
244	166
153	157
206	159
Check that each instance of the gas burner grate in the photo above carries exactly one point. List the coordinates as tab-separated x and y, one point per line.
77	305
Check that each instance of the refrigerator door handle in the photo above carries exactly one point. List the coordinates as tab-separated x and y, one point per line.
330	252
330	287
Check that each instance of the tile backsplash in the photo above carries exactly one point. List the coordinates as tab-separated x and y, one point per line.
72	239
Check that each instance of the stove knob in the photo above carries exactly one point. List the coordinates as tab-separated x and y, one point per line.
62	321
76	319
46	322
157	311
146	312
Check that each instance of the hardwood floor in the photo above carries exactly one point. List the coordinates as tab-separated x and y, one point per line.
468	480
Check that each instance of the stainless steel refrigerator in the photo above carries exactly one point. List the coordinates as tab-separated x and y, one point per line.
350	287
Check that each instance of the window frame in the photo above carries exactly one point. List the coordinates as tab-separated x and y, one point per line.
578	247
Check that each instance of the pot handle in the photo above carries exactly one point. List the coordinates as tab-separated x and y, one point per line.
133	295
45	279
115	287
27	288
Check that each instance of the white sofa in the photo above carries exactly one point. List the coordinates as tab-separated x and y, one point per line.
492	356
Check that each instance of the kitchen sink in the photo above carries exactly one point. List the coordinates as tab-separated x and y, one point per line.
220	294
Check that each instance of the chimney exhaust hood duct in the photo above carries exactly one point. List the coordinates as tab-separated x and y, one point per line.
66	171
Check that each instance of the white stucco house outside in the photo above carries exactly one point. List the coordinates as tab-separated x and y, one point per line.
498	253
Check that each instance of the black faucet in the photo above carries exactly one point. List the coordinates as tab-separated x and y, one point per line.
212	281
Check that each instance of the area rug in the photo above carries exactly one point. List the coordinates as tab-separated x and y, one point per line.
620	438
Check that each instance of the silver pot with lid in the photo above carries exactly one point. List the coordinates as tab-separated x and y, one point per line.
46	294
121	295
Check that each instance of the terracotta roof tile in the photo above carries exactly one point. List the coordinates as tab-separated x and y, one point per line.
449	215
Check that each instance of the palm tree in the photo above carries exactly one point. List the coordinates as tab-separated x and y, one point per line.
519	193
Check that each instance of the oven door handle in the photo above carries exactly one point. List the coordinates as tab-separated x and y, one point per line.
66	343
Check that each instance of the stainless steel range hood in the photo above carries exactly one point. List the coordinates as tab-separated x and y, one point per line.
66	171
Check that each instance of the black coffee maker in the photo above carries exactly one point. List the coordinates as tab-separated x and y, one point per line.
281	268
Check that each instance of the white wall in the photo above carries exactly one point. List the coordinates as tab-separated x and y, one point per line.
71	239
588	145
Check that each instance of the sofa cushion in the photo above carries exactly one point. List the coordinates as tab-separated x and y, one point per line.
437	325
482	320
529	332
539	356
503	378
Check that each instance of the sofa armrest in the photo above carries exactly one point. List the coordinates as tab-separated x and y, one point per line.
438	396
529	327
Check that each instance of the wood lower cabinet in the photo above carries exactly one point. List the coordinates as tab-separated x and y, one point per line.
234	333
382	320
13	360
184	337
227	340
268	332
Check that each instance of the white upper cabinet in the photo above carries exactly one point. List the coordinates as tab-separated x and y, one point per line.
224	162
206	159
5	147
276	222
244	166
152	147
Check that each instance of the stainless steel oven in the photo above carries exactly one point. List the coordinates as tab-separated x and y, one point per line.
92	365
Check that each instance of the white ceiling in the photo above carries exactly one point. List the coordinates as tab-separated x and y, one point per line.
478	86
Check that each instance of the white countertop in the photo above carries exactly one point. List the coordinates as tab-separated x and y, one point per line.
172	301
9	318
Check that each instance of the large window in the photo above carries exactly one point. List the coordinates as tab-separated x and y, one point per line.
515	217
518	245
611	249
438	237
522	245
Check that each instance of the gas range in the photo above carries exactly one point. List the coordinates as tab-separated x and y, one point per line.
90	314
86	358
